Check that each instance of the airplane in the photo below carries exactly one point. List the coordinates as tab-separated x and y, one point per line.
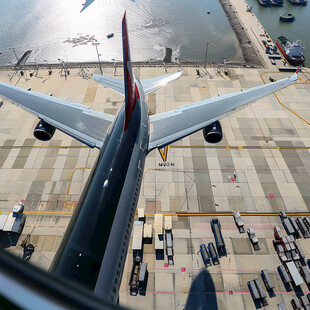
94	247
86	4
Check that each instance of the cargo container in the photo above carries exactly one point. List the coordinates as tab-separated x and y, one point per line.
168	223
137	236
213	253
294	273
260	289
205	255
304	301
253	290
288	226
303	228
300	250
266	278
295	226
141	215
284	275
306	274
142	273
147	231
307	221
281	306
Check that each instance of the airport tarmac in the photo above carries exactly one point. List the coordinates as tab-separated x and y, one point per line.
266	144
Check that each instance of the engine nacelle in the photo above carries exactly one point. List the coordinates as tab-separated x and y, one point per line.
44	131
213	133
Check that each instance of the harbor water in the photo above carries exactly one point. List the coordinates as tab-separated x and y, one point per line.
56	30
297	30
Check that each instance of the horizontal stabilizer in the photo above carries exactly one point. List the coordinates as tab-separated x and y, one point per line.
113	83
153	84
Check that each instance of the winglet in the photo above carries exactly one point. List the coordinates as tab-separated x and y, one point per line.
129	81
86	4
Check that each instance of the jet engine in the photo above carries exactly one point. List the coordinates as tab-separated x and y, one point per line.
213	133
44	131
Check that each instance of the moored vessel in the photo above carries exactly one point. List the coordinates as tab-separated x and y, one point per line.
292	51
287	18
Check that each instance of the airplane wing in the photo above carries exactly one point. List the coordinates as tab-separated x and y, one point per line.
153	84
113	83
149	85
76	120
174	125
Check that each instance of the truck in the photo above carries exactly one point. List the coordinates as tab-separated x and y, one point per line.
205	254
253	238
169	246
300	250
305	274
253	290
238	221
213	253
261	292
295	303
307	221
294	273
219	240
303	228
14	224
295	226
288	226
304	302
277	233
134	276
283	274
266	278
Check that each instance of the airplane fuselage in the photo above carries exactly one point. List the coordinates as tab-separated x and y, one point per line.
94	248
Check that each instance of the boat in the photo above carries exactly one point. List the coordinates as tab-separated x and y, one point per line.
264	2
292	51
287	18
277	2
298	2
110	35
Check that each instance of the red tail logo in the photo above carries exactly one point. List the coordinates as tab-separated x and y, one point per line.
130	92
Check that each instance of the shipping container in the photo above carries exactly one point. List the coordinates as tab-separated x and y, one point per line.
205	255
284	275
294	273
303	228
266	278
288	226
306	274
253	290
219	240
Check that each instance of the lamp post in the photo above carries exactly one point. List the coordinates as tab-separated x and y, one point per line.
13	49
96	45
207	44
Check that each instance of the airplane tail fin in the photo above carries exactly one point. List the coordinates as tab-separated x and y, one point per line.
129	81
